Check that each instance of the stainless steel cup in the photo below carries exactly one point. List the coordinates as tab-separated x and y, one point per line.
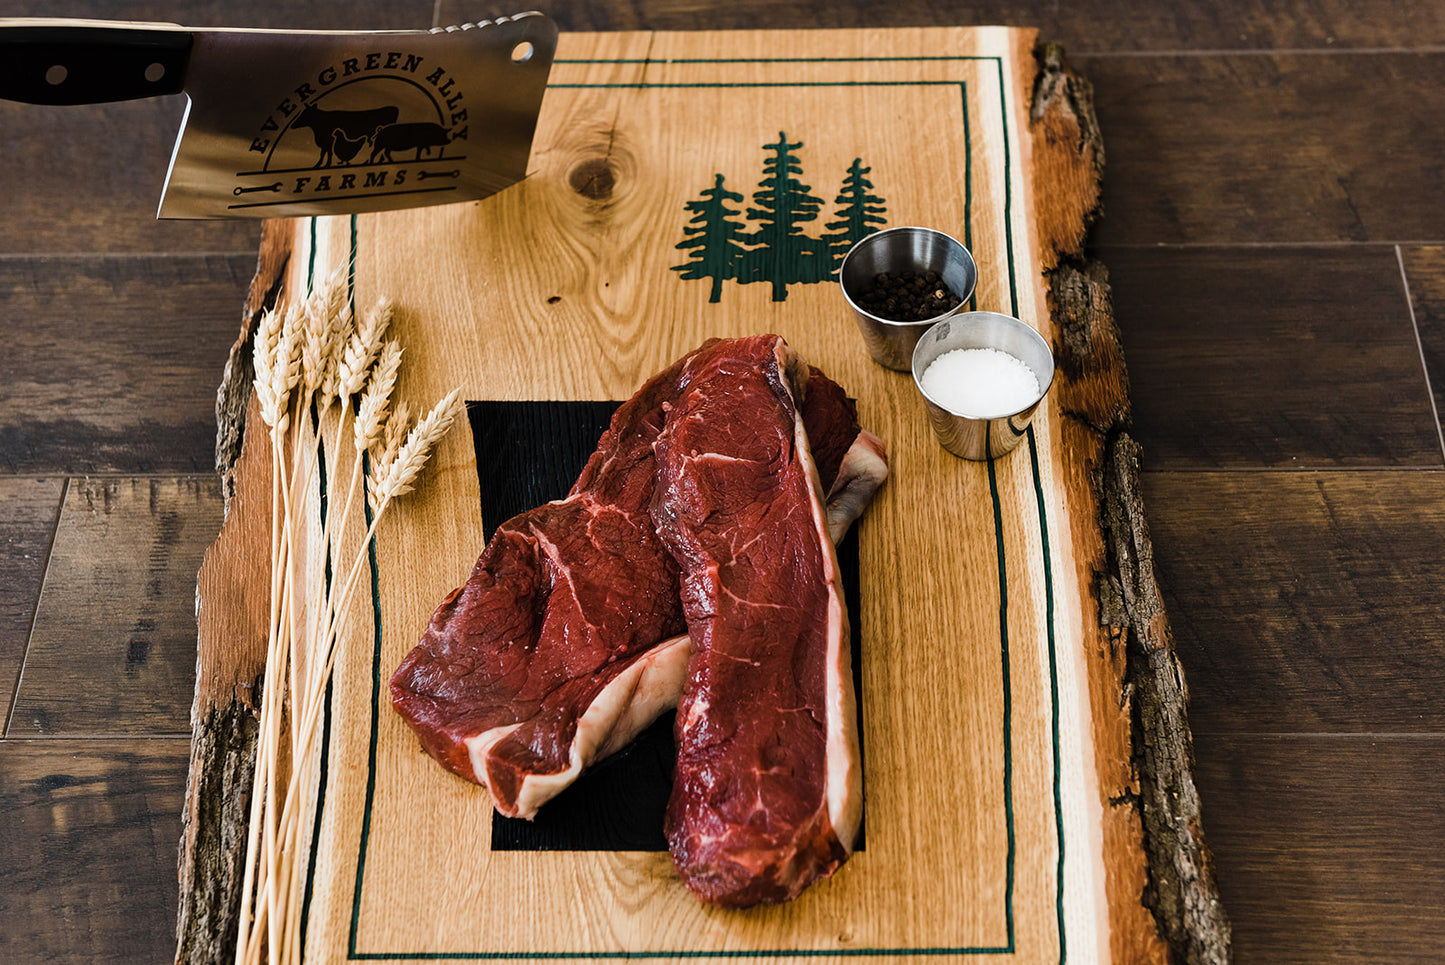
982	435
893	250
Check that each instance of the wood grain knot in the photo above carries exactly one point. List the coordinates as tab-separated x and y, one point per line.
593	178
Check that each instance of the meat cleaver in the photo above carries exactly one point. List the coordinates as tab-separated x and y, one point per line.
298	123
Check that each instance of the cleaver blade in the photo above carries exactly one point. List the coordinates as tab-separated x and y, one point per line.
283	123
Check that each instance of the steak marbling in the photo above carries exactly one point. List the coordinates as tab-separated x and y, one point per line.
545	658
767	796
568	637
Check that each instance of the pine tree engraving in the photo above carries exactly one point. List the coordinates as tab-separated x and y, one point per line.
714	236
859	211
777	251
784	255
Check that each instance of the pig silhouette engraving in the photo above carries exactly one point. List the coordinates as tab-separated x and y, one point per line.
420	137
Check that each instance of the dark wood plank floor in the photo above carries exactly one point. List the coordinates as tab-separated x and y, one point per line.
1275	229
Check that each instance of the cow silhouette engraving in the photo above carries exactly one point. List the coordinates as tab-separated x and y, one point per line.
421	137
342	134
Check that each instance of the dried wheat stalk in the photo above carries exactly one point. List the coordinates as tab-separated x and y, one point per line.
311	358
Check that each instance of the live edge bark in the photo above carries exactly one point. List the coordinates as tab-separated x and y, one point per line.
224	722
1182	892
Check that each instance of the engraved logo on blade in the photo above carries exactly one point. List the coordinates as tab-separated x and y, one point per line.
381	123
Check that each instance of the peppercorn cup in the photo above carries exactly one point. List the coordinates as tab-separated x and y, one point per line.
980	435
892	252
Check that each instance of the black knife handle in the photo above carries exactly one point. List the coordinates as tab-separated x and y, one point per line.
70	64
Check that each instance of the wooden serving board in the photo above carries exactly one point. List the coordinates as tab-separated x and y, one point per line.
1027	758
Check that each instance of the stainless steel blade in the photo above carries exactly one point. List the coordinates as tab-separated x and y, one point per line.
286	123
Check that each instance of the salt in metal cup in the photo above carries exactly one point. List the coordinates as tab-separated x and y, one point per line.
895	250
983	435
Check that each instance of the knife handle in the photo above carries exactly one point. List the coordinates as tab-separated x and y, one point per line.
70	63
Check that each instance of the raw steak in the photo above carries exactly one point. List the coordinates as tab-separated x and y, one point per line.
552	644
568	637
767	796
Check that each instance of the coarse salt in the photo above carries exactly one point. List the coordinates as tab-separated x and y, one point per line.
980	382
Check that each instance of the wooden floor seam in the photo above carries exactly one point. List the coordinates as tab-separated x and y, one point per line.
35	606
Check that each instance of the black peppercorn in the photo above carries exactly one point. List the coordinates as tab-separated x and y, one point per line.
908	296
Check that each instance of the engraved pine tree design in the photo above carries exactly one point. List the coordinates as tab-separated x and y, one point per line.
714	237
784	254
860	213
777	251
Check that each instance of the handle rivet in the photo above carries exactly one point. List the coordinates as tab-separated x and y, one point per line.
56	75
155	72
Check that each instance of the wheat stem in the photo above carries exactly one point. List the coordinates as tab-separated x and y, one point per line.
277	663
315	352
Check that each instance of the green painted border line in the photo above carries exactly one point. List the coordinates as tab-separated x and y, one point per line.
316	824
323	778
375	712
740	953
375	645
1007	717
354	954
1042	506
922	58
325	750
968	195
1008	194
650	85
322	488
1008	757
963	90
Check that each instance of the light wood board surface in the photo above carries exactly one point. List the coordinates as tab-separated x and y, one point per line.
1000	822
